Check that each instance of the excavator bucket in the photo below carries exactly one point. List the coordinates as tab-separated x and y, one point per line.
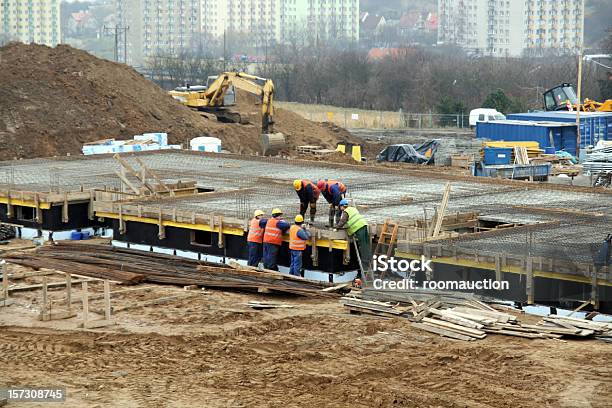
273	143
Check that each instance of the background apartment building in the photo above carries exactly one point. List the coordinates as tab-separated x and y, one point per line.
512	27
157	27
283	20
31	21
169	26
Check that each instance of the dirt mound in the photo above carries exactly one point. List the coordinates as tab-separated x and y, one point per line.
56	99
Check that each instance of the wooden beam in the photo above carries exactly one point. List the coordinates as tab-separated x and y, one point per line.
127	182
437	225
65	208
38	286
133	172
152	173
5	291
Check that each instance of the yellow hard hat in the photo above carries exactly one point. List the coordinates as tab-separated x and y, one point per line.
297	184
258	213
277	211
299	218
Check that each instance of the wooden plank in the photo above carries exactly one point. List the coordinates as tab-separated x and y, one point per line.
588	326
515	333
441	210
49	286
579	308
134	173
456	319
107	305
500	316
455	327
127	182
85	303
5	291
574	321
552	329
480	319
147	170
268	305
442	332
336	288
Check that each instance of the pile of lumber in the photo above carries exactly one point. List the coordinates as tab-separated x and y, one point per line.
314	150
573	326
128	266
560	165
464	317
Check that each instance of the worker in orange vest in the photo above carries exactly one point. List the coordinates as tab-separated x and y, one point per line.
298	237
273	239
333	191
308	193
255	237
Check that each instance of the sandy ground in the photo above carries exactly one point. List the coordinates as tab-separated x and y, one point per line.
209	349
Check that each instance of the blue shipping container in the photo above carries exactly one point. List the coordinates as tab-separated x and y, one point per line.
561	136
594	126
497	155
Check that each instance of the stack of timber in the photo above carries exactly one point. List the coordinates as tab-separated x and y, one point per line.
131	266
464	317
560	165
314	150
573	326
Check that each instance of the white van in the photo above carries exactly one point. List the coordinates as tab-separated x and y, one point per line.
484	115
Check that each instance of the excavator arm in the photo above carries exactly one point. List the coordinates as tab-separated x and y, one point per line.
215	94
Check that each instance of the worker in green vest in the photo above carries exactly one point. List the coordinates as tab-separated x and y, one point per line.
356	226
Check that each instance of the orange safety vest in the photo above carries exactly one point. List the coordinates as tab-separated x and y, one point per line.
296	243
315	190
273	234
330	183
256	233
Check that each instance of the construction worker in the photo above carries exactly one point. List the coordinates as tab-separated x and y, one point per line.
273	239
308	193
356	227
255	237
298	237
333	191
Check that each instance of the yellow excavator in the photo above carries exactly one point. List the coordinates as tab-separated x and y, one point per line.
563	97
218	95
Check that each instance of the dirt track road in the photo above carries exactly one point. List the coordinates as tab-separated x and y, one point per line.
214	351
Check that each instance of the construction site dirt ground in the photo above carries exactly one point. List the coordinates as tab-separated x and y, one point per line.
207	348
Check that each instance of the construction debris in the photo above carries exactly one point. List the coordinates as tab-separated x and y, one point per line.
465	318
129	267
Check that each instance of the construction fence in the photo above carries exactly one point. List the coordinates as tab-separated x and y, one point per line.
369	119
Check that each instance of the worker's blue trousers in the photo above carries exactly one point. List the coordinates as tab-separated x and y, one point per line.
296	263
270	256
255	250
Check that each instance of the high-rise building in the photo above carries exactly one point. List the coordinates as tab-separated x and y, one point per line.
512	27
156	27
169	26
31	21
283	20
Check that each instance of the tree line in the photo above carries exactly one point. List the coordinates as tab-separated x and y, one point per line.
411	79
